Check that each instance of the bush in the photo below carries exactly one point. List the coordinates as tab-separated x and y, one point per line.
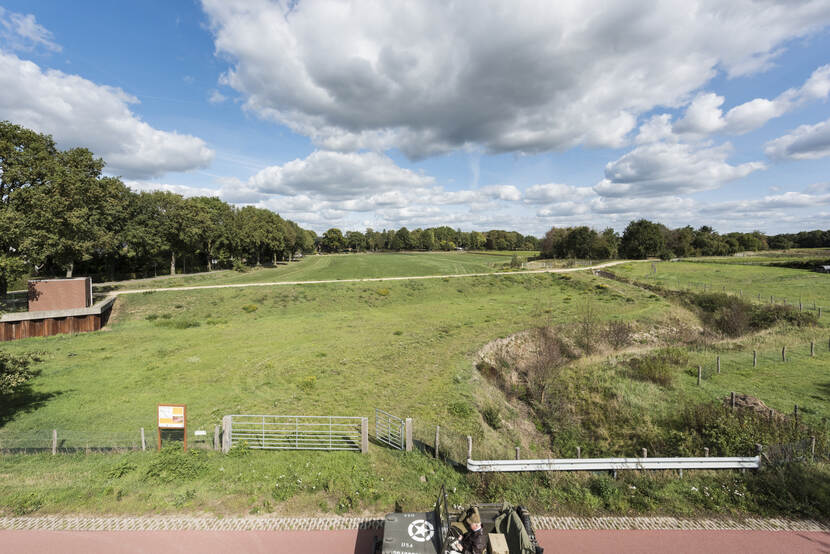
239	265
618	334
657	367
250	308
492	416
174	464
15	371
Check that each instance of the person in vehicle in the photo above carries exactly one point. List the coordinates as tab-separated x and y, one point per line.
473	541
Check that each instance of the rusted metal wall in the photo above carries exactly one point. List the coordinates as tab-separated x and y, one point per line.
12	330
60	294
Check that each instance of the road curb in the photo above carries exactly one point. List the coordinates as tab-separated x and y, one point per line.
542	523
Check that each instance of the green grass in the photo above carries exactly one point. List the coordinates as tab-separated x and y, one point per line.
782	283
408	347
343	266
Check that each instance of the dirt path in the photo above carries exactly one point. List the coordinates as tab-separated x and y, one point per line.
373	279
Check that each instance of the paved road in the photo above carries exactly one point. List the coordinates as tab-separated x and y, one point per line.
360	542
373	279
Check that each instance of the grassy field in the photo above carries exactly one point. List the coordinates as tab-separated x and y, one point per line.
409	347
342	266
781	283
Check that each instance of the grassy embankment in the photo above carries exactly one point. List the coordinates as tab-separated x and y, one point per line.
343	349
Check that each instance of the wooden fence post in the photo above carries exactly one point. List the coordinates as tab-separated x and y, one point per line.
754	358
469	447
216	438
437	438
699	374
813	448
226	433
408	430
54	441
364	435
517	453
784	353
645	452
143	441
812	349
795	414
732	399
718	364
706	451
578	451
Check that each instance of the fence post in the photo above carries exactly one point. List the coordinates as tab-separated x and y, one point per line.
469	447
758	450
754	358
784	353
364	435
143	442
795	414
437	437
813	448
732	399
226	433
812	349
578	451
408	432
216	438
645	452
718	364
819	312
54	441
517	453
705	451
699	374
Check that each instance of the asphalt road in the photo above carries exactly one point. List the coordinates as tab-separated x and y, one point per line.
360	542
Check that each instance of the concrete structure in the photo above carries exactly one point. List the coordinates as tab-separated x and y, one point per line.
53	322
60	294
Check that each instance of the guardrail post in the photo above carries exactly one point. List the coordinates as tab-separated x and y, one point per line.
216	438
645	452
143	442
437	438
517	453
226	433
578	451
705	451
408	432
54	441
469	447
364	435
759	448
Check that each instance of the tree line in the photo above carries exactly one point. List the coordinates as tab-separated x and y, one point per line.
433	238
59	214
645	239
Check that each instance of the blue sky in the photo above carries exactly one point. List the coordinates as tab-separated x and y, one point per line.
499	115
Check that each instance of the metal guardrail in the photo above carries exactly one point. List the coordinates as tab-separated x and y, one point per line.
613	464
389	429
277	432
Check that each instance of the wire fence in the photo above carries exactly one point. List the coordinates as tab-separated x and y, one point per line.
92	441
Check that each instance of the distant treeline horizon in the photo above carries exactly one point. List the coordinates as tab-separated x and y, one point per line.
60	215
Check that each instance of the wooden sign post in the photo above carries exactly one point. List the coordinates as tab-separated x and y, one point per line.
172	416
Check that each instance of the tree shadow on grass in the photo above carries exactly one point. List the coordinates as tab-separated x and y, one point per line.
24	400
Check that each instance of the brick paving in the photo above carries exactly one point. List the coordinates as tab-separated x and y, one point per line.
258	523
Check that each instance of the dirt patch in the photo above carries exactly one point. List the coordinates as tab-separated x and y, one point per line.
750	403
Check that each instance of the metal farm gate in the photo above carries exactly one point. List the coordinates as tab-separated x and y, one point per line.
276	432
390	430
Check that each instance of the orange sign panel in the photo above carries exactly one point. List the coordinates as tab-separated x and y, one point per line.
171	417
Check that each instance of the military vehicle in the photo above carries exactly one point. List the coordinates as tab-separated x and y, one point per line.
433	532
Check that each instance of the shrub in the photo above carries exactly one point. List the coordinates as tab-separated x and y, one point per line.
121	470
657	366
250	308
151	317
382	292
239	265
15	371
460	409
492	416
174	464
618	334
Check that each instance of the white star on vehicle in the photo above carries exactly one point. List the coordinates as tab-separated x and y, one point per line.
420	530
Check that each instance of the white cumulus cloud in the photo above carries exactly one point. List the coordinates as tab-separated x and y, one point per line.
663	169
807	142
430	77
22	32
